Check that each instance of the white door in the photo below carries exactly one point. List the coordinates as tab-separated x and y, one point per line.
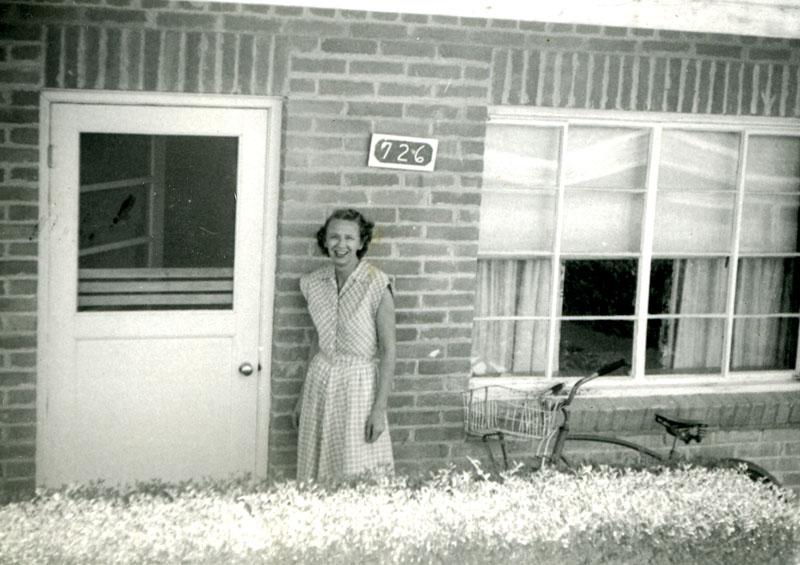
156	283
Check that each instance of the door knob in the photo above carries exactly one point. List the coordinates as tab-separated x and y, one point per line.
246	369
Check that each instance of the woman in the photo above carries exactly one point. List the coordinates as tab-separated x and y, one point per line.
341	412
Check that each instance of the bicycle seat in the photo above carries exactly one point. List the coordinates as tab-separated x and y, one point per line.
685	430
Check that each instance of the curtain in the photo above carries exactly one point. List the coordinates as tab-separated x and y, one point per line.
698	286
511	288
764	286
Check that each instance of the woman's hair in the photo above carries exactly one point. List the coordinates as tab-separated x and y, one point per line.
364	228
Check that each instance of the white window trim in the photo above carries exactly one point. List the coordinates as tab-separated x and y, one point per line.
638	383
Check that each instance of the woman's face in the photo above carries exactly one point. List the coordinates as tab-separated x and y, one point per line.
343	240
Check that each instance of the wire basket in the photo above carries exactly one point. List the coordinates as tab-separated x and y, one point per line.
505	411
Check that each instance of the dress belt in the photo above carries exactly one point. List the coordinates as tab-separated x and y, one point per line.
350	361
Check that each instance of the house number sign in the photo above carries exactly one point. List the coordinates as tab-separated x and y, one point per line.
400	152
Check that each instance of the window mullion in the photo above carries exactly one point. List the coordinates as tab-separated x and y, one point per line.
646	257
555	271
733	262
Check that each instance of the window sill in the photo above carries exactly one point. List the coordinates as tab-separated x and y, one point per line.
624	386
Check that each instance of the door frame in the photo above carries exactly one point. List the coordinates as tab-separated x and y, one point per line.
273	106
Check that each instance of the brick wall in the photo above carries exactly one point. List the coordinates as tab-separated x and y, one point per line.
344	75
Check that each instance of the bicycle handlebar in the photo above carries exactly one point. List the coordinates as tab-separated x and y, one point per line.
604	370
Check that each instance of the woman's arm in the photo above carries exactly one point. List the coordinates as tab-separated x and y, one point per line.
313	349
387	358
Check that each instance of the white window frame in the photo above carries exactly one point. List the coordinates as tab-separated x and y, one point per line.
654	122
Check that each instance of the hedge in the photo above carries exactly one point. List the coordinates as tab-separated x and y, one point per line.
608	516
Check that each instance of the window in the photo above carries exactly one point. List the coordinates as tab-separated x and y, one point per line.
669	242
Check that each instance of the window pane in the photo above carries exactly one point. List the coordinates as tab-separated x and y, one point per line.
768	285
769	223
511	288
520	157
599	288
157	222
693	222
773	164
684	345
100	157
516	221
698	160
764	343
586	346
602	157
503	347
597	221
688	286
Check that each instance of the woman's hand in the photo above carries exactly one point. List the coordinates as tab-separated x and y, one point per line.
376	424
298	408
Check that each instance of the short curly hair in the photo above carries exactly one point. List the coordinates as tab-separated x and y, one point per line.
365	227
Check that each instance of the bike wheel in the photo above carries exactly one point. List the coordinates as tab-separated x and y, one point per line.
754	472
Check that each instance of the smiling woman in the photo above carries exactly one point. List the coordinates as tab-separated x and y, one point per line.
341	413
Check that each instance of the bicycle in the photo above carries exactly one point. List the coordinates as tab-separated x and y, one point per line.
496	411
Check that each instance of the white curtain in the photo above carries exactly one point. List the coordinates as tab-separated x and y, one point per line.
511	288
763	288
698	287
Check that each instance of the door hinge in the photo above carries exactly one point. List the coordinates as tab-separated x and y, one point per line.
50	156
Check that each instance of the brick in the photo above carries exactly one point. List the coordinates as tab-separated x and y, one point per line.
376	67
417	451
315	28
17	416
21	213
450	300
325	66
249	23
427	215
355	46
109	15
408	49
459	91
471	53
345	88
21	396
441	399
16	378
416	318
371	179
665	46
20	76
455	198
416	284
405	90
186	20
315	107
415	418
26	52
20	32
430	70
380	109
757	54
379	30
312	177
717	50
344	125
15	155
440	433
612	45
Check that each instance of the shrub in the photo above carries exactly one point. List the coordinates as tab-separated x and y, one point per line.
687	515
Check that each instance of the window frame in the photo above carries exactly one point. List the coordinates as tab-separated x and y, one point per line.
655	123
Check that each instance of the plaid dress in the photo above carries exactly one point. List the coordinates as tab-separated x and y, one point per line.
340	384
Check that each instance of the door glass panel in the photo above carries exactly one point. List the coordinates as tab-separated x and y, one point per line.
157	222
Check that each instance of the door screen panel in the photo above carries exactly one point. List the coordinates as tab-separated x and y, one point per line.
157	222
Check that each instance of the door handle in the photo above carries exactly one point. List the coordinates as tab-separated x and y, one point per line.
246	369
